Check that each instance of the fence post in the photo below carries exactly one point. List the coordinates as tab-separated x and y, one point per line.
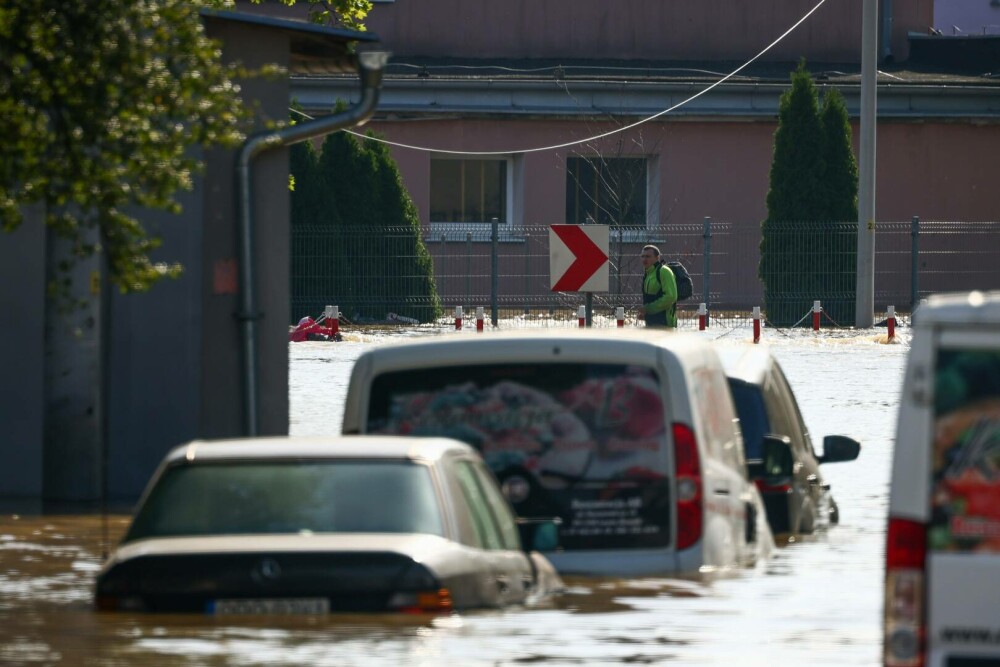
914	260
468	266
590	309
495	242
527	268
707	236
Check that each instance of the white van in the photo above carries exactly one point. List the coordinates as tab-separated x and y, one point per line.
630	438
942	584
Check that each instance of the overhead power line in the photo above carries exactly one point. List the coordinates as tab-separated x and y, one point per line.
577	142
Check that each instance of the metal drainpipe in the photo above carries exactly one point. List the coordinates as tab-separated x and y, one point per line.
887	56
370	66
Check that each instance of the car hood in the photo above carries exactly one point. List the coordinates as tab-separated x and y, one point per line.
421	548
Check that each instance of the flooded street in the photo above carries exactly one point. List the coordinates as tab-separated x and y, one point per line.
818	601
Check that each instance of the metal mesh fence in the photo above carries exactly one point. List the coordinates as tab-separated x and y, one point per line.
371	274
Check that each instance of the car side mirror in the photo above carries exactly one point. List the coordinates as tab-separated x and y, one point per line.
839	448
778	459
539	534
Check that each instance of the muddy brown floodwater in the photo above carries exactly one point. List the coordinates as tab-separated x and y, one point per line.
816	601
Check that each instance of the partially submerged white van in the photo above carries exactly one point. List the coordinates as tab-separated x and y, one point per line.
631	438
942	585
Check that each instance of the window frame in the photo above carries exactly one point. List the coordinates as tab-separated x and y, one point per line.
457	230
648	185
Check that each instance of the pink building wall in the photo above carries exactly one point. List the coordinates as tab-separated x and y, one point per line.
936	170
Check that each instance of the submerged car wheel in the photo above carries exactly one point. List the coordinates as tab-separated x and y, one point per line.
834	512
807	518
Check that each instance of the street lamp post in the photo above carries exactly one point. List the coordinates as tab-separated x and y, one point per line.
865	297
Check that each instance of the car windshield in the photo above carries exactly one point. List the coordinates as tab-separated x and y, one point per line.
753	418
586	442
281	497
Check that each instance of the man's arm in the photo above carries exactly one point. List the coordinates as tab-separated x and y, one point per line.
669	285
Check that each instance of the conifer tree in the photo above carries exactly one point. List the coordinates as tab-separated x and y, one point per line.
357	236
841	184
805	248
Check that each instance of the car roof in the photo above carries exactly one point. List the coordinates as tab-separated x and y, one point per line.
963	308
748	363
321	447
597	345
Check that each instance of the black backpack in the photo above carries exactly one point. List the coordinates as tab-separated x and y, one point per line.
685	288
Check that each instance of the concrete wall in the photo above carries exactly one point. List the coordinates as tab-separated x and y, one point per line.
22	353
634	29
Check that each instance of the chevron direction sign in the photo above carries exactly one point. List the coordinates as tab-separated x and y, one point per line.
578	258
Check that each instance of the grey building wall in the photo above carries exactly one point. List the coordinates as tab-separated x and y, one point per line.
22	350
154	401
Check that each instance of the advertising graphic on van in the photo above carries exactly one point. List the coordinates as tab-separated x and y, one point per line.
585	442
965	501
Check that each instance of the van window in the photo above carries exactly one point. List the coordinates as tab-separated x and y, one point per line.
965	503
584	442
753	418
487	532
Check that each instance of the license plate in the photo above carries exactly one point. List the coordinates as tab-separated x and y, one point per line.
270	606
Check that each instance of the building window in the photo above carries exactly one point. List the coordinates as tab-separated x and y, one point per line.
469	190
610	191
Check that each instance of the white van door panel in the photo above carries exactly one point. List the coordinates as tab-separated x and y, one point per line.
965	624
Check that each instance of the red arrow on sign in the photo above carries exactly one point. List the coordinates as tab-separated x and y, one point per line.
589	257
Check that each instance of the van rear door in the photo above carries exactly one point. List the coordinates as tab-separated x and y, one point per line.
963	531
583	441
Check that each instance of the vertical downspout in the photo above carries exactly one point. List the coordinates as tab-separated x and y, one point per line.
886	38
370	66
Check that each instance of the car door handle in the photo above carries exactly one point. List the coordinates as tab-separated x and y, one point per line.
721	492
813	480
503	584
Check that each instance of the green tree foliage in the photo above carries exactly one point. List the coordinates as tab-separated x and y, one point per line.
103	105
356	239
809	238
100	104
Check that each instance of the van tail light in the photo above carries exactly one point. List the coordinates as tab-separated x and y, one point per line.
905	578
688	476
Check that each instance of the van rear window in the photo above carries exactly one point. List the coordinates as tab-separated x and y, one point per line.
585	442
965	503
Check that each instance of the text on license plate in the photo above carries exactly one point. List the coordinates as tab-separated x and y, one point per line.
270	606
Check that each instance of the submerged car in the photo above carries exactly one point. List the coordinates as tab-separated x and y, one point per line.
797	499
630	438
317	525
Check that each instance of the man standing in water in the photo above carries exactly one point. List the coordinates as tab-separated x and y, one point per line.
659	290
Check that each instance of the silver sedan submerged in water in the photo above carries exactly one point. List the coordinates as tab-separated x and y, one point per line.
317	525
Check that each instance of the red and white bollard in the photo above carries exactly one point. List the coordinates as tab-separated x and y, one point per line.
620	316
458	318
581	314
479	319
891	322
333	319
756	324
816	311
702	316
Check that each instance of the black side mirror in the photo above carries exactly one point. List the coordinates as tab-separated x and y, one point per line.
839	448
778	458
539	534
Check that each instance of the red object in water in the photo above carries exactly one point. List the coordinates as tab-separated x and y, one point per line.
756	329
309	329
